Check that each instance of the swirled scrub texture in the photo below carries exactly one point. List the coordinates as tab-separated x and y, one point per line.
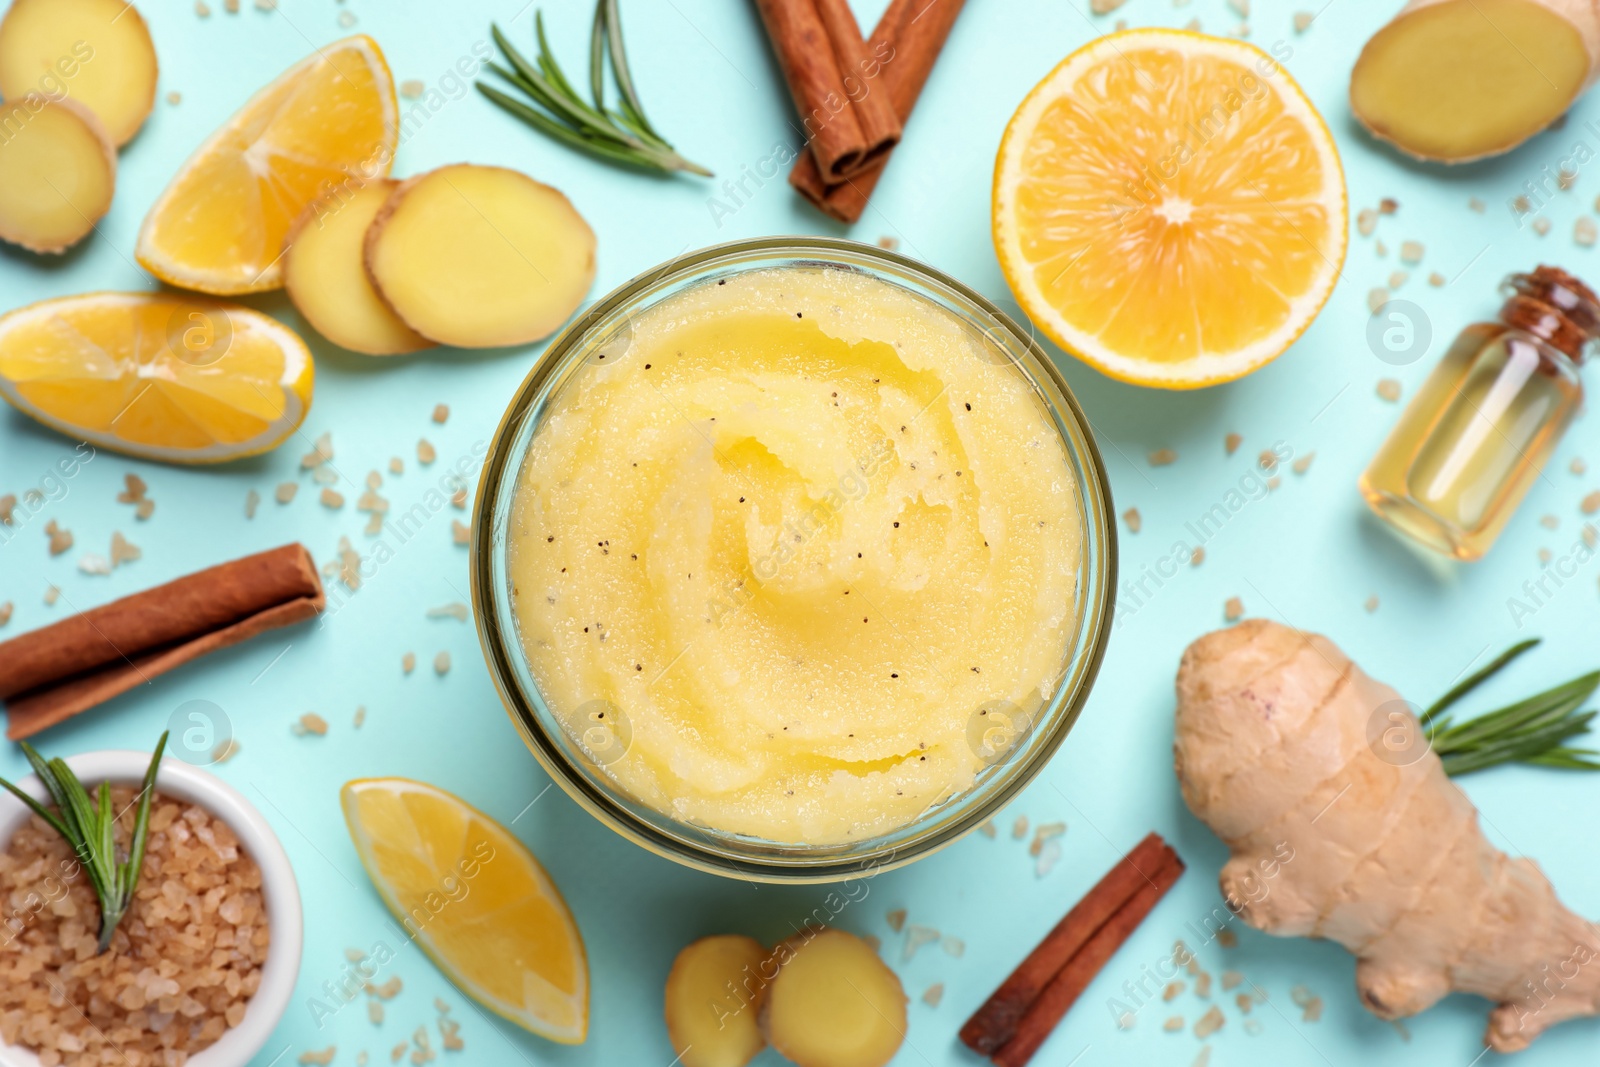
781	549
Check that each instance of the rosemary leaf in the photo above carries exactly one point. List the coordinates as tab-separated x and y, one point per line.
1472	681
555	108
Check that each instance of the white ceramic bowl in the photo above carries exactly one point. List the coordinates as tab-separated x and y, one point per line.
279	890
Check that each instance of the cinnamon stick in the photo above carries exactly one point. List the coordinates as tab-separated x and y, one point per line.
845	134
50	674
995	1023
1043	1014
907	41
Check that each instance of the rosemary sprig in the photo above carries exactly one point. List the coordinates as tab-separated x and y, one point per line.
1533	730
553	107
88	825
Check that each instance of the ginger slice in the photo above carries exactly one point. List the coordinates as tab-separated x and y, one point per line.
834	1003
1457	80
97	52
323	271
57	173
713	995
478	256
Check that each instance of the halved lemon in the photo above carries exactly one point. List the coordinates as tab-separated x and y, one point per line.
328	122
1169	207
161	376
475	900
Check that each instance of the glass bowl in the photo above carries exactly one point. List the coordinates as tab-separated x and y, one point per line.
732	854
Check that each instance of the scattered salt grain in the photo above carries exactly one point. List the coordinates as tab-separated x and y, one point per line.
286	491
412	88
1233	609
1436	279
51	594
916	937
1302	21
1549	522
425	452
388	990
1173	1024
321	452
1243	1000
321	1059
888	243
460	532
1477	205
1173	990
1371	604
1019	829
1303	464
225	751
397	465
988	828
1198	556
1231	443
375	1012
1411	252
1049	856
1105	7
953	946
1162	456
896	919
1209	1023
441	412
454	610
331	499
1584	231
90	563
1541	225
5	612
347	19
360	716
1389	389
1203	1059
1591	503
1578	466
1202	985
1376	298
8	504
202	9
252	500
310	723
1398	278
408	662
933	994
1268	460
60	540
1366	221
1131	517
441	663
1043	833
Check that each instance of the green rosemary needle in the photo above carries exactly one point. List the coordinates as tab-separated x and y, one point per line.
1534	730
553	107
88	824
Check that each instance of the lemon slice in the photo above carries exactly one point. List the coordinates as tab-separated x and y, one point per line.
475	900
1169	207
327	123
164	377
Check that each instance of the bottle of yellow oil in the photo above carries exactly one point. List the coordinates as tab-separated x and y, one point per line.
1476	435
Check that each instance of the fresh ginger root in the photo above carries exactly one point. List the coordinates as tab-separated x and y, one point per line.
58	171
713	995
323	271
96	52
1339	829
834	1003
1458	80
478	256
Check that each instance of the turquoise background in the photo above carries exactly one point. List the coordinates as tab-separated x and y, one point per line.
1307	554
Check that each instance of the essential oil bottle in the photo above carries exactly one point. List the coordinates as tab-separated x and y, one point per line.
1479	430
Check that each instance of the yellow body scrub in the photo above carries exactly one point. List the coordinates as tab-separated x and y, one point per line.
788	552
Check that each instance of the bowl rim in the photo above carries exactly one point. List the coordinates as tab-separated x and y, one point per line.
279	889
1096	506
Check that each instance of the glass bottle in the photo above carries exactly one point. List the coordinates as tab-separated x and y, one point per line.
1479	430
